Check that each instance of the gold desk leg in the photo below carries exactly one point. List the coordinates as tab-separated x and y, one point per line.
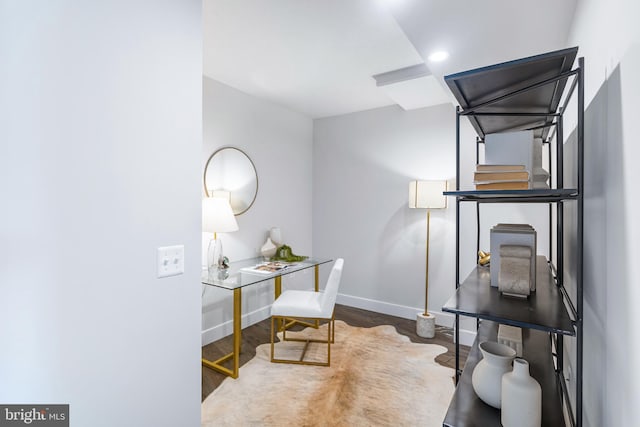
278	288
237	329
277	292
237	340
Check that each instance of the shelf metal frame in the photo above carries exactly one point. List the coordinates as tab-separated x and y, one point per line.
577	195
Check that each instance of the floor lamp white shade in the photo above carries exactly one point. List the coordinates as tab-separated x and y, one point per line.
217	216
427	195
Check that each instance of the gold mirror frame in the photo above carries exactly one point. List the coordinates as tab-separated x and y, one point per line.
236	174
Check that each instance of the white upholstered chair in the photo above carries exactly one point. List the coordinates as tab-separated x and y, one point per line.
309	305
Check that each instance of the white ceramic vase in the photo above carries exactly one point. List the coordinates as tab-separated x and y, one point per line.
487	375
268	249
276	236
521	397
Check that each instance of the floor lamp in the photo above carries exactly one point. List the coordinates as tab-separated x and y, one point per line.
427	195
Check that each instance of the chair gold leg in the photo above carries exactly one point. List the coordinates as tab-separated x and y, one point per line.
271	333
333	329
275	320
329	343
317	288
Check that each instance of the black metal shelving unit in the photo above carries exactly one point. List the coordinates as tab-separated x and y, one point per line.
525	94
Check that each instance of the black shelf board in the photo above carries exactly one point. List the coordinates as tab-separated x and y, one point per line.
466	408
544	309
541	195
474	88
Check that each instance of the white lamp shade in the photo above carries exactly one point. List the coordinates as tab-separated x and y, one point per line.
217	215
221	193
427	194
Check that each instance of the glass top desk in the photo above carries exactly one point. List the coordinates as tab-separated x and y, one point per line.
234	279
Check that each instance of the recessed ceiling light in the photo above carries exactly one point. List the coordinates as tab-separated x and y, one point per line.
438	56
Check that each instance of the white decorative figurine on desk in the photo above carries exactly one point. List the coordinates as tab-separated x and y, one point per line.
268	249
275	235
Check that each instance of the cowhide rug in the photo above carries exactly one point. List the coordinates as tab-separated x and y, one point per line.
377	378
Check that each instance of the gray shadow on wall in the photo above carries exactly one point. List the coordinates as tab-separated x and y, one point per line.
616	325
605	262
405	234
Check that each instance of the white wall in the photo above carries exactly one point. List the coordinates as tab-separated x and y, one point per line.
101	140
279	143
363	163
609	39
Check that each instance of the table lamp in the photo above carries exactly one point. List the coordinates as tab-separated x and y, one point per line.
427	195
217	217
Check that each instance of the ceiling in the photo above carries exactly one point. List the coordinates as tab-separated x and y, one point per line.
318	57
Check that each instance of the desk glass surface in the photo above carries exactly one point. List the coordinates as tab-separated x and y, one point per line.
234	277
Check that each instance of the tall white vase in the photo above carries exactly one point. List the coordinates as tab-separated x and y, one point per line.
268	249
487	375
521	397
276	236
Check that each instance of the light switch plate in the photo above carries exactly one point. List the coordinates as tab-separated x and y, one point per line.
170	261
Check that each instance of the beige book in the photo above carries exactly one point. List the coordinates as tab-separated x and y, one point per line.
492	168
486	177
506	185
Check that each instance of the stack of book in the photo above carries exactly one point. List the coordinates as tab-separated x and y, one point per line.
501	177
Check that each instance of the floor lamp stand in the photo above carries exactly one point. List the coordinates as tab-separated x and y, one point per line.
426	322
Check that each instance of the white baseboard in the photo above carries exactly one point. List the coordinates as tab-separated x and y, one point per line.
225	329
444	319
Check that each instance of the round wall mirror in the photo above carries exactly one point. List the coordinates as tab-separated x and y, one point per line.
230	171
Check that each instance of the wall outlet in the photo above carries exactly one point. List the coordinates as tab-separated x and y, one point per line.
170	261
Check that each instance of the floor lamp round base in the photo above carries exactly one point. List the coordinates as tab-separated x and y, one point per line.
426	325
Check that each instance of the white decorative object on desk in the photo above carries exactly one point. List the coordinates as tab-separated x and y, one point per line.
268	249
487	375
521	397
276	236
511	336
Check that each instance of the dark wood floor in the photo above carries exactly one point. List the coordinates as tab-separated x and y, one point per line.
258	334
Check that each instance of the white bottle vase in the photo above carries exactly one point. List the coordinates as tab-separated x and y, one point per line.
268	249
487	375
521	397
276	236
